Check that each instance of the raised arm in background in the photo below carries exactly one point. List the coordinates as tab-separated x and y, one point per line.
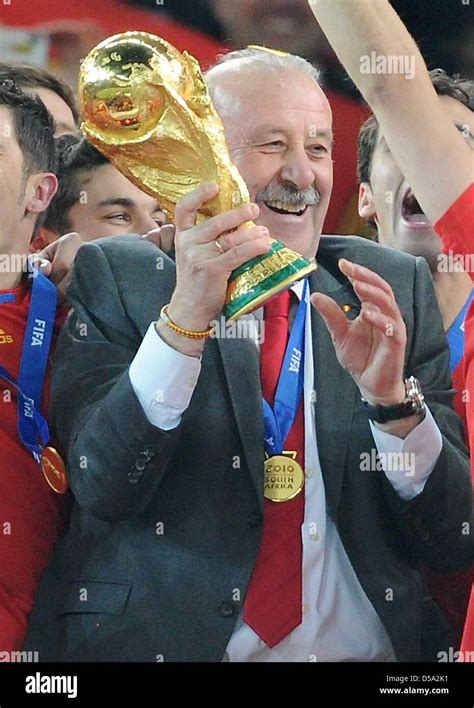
429	149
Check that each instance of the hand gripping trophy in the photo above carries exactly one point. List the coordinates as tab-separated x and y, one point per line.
145	106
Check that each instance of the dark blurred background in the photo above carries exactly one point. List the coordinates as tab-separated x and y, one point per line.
444	29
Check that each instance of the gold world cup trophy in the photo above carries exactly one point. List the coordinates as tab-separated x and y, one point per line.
146	107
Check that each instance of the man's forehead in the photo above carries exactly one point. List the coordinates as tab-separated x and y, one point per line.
271	111
109	186
127	200
268	129
290	87
293	90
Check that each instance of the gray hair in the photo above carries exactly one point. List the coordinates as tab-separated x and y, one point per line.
254	60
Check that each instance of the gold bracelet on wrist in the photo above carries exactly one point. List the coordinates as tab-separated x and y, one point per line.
179	330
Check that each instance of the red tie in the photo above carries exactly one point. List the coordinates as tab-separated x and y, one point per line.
272	605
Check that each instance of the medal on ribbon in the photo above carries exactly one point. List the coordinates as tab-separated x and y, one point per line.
283	477
32	426
283	474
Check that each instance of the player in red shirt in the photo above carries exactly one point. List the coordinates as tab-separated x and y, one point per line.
456	228
433	151
30	511
401	224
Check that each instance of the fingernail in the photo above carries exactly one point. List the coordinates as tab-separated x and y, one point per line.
255	210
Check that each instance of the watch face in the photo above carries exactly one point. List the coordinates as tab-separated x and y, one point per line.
414	394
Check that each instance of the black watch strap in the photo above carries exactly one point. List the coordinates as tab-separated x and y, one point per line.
414	403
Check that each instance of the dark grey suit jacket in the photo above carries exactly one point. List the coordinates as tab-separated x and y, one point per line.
120	586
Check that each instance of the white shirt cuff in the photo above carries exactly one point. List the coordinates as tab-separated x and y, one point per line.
163	380
408	462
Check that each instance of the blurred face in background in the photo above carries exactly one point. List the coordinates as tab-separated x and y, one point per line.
110	205
389	200
278	24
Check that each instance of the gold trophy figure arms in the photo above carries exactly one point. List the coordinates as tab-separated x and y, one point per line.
146	107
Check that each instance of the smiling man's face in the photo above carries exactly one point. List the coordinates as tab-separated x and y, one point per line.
279	131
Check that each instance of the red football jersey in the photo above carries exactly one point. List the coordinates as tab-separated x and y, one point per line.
456	228
31	514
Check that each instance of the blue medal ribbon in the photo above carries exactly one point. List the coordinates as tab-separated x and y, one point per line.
455	335
7	297
279	419
34	360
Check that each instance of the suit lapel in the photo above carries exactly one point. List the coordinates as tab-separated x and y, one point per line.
240	359
335	389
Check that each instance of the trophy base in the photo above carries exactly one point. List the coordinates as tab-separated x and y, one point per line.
257	281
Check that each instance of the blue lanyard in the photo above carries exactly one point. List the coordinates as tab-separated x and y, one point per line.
455	335
7	297
34	360
279	419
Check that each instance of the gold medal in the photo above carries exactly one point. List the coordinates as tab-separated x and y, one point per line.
283	477
54	470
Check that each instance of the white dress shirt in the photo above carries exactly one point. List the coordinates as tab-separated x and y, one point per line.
339	622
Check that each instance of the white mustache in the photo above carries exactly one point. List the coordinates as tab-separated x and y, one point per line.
289	196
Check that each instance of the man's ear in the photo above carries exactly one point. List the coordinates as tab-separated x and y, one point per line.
366	204
42	189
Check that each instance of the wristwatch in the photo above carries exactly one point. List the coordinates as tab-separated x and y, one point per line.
414	403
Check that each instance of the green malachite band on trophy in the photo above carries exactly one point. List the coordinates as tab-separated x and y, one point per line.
263	281
269	287
276	246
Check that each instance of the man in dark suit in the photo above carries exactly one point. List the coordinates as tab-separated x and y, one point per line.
177	549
